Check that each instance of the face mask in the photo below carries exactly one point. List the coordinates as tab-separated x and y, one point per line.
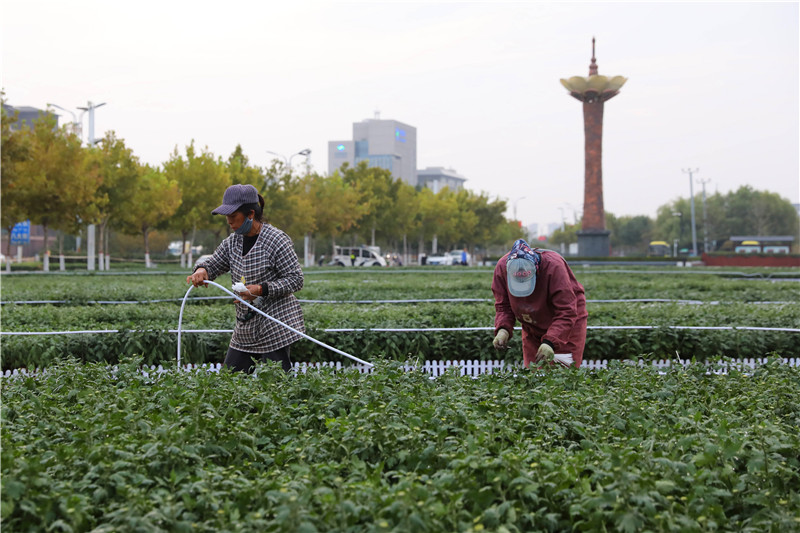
244	229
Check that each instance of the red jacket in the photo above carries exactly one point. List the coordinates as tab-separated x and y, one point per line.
555	311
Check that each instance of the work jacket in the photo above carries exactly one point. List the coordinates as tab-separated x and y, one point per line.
555	311
271	263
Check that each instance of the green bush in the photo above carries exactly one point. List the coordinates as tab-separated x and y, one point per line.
85	448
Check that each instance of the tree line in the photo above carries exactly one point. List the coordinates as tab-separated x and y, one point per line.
51	179
745	211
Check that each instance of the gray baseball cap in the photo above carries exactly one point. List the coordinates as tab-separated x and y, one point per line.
235	197
521	276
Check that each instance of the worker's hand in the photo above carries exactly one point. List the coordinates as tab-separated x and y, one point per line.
252	292
501	340
198	277
545	354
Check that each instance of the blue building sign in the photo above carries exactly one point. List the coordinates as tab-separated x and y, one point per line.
21	233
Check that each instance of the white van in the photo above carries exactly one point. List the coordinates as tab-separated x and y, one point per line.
357	256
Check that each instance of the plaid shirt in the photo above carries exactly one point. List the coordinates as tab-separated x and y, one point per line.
271	263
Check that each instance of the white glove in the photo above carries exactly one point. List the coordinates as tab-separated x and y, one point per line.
239	287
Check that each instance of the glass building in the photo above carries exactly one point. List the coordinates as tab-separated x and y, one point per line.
385	144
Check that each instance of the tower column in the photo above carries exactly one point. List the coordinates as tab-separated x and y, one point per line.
593	90
593	212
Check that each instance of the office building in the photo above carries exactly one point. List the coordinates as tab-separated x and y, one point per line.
26	116
385	144
437	178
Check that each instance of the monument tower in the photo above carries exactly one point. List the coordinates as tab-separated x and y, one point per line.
593	90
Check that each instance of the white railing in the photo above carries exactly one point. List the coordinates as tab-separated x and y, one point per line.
463	367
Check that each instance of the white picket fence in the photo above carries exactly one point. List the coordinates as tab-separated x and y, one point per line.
472	368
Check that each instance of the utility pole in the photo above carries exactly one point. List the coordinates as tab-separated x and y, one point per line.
705	216
90	229
691	193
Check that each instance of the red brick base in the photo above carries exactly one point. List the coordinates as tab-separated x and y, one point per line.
752	260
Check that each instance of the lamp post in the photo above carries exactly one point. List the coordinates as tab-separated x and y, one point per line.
90	107
287	161
705	217
77	127
676	246
563	220
288	165
77	123
515	206
691	193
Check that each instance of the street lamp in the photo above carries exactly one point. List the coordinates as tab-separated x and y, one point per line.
77	127
77	123
691	193
288	161
676	245
563	220
515	207
90	108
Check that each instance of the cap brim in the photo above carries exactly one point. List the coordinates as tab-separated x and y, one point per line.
225	209
521	290
516	287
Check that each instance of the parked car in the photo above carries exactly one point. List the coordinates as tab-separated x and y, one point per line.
357	256
456	257
439	260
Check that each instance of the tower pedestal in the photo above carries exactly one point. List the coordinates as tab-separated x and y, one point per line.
594	243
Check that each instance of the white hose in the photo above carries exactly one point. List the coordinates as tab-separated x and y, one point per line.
262	313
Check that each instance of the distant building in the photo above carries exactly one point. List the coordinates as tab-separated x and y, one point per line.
437	178
385	144
26	116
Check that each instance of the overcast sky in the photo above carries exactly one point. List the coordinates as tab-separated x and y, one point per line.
711	86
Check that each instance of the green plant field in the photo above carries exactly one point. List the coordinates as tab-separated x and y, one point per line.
728	301
625	449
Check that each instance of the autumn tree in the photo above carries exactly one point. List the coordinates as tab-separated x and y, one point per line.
336	206
202	180
60	187
120	172
16	151
154	200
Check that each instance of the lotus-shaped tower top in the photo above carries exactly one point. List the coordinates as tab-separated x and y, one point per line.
593	88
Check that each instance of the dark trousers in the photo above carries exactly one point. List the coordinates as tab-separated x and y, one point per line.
245	361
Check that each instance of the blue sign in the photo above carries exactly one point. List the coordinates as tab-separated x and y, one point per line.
21	233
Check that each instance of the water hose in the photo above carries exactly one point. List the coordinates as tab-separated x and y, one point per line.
262	313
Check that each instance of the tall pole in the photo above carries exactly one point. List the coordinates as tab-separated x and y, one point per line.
90	230
705	216
515	206
90	107
691	193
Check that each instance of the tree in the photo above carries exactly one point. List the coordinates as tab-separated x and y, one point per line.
241	172
202	181
336	205
121	175
60	188
378	190
155	199
742	212
403	214
288	204
486	224
436	216
630	234
16	151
